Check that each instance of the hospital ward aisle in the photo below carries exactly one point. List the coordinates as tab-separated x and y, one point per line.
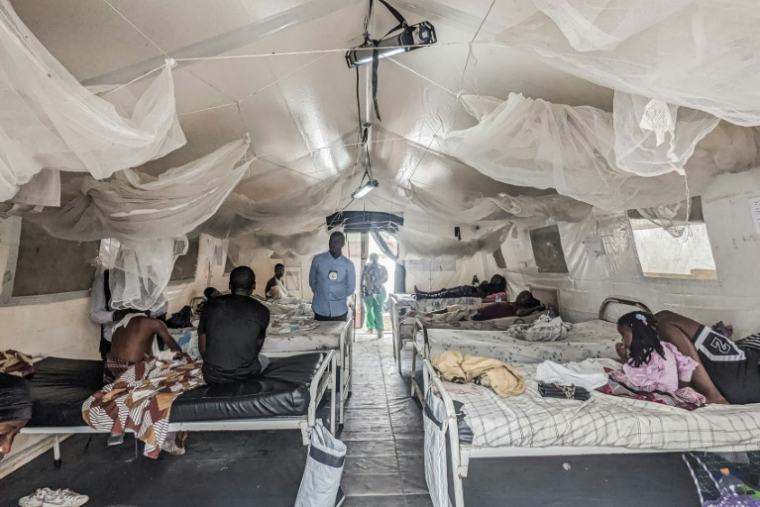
384	465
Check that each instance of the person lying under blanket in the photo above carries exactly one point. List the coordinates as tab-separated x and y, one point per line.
15	409
676	352
132	342
497	284
524	304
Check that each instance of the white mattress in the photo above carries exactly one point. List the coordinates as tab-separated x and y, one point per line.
528	420
594	339
325	337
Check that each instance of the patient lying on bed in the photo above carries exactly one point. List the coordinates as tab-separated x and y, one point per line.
497	284
670	349
132	342
524	304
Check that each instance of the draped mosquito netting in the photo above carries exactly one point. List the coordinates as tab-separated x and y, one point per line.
686	108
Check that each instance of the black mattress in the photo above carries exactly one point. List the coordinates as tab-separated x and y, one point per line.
60	386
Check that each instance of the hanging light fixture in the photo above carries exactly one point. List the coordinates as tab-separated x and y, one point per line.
411	37
365	189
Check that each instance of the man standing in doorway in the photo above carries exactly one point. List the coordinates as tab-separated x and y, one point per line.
373	293
332	279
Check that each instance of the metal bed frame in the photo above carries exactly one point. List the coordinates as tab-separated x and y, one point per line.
344	359
461	454
420	391
323	379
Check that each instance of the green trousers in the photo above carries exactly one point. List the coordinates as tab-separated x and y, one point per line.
373	305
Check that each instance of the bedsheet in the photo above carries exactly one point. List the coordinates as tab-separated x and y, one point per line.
594	339
528	420
325	336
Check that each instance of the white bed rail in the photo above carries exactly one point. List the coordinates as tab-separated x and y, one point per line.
317	389
457	472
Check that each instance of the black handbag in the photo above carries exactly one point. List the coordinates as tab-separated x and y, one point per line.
557	390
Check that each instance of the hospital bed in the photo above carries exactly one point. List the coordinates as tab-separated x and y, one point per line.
479	425
403	327
591	339
335	336
286	396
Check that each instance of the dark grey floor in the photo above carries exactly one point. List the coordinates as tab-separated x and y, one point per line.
383	432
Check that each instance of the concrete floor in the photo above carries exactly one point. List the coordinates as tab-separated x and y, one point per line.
384	467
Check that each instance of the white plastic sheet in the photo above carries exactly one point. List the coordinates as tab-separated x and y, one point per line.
49	120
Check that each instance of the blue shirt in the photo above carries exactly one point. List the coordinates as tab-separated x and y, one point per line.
332	281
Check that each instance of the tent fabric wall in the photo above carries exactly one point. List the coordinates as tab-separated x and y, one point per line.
732	298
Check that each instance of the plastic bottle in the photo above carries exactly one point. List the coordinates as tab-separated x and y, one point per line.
475	281
730	485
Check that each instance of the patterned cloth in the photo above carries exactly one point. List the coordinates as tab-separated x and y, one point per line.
530	420
324	336
141	400
13	362
622	385
593	339
544	329
289	326
114	368
454	313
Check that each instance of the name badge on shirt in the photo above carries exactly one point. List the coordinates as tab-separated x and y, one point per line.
333	275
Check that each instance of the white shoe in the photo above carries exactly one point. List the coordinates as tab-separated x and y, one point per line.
46	497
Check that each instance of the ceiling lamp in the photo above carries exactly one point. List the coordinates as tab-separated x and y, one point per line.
365	189
410	37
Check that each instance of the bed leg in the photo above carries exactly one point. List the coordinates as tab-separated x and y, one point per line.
56	451
333	372
414	368
305	432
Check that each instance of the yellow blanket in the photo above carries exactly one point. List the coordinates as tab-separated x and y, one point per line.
500	377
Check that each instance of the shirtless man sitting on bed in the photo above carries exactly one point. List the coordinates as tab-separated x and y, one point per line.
728	371
132	342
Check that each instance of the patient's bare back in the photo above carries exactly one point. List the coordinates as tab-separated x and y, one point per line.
135	341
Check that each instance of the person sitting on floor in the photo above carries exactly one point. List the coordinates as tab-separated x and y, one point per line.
232	331
675	351
275	288
133	342
524	304
497	284
15	409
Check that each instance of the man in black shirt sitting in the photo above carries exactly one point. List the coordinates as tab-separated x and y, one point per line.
232	330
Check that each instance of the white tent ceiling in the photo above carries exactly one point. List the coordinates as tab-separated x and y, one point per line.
276	71
300	109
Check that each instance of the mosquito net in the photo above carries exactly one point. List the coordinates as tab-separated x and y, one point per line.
49	120
651	48
530	142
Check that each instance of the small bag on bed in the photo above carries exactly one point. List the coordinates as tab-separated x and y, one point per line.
557	390
320	485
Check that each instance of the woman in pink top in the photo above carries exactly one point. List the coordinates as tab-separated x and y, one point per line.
649	362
